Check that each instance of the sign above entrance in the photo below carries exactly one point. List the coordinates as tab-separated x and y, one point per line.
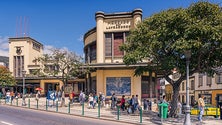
118	25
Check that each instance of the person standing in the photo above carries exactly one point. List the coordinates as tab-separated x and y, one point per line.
37	96
201	105
73	97
113	101
7	96
136	104
122	103
145	104
63	99
90	100
132	103
179	108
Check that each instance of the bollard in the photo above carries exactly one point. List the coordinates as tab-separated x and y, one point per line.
141	116
118	113
161	115
57	106
83	108
46	105
69	108
5	100
37	104
98	110
206	111
16	101
29	103
11	101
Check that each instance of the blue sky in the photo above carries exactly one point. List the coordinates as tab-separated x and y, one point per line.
62	23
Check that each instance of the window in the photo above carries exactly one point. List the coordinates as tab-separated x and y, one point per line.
200	80
209	80
93	52
192	85
112	43
108	44
36	46
219	78
18	65
118	41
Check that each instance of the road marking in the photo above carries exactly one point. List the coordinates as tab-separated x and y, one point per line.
6	123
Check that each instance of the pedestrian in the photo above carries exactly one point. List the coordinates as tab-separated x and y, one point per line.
73	97
122	103
59	95
145	104
37	96
179	108
82	97
63	99
137	103
7	96
132	103
12	94
150	105
95	100
201	106
113	101
90	100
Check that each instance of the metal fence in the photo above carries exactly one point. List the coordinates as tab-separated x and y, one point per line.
100	112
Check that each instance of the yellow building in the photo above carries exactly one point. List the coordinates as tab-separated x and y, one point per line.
101	48
22	52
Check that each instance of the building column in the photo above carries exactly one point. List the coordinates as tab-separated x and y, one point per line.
99	35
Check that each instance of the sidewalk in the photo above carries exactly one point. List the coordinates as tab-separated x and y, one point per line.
148	117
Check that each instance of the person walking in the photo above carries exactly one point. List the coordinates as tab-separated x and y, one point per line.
201	105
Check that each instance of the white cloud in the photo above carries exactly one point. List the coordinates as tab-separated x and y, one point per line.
80	38
4	45
47	49
4	53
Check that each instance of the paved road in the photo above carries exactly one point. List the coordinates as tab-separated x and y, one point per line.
21	116
149	117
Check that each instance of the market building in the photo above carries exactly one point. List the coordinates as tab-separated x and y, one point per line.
22	53
102	53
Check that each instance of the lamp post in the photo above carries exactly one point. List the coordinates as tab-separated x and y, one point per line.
187	54
23	85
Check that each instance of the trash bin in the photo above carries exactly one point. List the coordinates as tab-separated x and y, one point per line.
164	106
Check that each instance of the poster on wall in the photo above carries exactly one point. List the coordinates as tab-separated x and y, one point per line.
118	85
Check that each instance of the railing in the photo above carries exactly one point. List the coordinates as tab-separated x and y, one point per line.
100	111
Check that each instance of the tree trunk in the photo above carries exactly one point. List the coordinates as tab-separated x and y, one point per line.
173	110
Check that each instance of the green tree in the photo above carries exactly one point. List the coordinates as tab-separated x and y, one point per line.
6	78
60	63
164	37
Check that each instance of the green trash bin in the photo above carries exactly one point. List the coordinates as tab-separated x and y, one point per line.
164	106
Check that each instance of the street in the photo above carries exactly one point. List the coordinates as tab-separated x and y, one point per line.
21	116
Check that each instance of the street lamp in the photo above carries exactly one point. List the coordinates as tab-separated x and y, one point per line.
23	85
187	54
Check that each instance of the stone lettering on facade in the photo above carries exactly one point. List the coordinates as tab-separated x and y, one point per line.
118	24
